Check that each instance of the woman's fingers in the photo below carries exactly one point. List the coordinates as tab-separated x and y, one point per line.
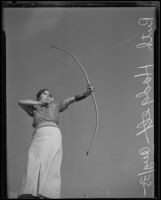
91	88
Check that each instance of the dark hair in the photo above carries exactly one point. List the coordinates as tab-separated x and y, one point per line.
40	92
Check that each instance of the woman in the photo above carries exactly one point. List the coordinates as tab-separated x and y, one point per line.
43	177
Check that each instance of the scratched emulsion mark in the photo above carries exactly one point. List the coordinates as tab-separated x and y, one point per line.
146	125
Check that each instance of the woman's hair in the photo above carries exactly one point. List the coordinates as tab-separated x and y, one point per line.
40	92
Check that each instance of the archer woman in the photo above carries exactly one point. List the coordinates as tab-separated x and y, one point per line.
43	172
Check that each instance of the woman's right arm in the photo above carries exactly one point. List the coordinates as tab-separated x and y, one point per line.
28	106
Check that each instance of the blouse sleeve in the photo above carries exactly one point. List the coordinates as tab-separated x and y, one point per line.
63	105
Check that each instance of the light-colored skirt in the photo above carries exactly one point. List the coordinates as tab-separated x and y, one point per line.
43	172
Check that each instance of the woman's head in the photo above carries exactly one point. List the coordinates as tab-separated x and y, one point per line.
44	95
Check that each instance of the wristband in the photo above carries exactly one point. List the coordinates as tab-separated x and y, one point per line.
80	97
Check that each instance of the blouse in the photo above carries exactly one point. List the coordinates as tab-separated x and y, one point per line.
45	113
49	112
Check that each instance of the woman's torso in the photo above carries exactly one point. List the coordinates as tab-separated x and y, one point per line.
43	115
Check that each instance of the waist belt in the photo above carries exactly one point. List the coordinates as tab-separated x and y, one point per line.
45	124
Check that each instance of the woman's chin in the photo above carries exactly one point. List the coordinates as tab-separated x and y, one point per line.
48	101
52	100
45	102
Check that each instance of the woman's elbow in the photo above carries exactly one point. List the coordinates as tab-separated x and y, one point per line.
19	103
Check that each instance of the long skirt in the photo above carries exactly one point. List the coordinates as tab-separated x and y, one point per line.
43	171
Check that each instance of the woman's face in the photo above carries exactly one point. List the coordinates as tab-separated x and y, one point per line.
46	97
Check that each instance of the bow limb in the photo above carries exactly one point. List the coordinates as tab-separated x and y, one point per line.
68	52
96	126
88	83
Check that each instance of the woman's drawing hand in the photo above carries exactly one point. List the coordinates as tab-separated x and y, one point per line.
90	89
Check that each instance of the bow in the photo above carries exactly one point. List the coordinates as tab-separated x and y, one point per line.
93	96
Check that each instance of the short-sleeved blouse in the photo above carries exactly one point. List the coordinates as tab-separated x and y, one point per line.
48	113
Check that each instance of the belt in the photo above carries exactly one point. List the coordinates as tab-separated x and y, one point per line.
45	124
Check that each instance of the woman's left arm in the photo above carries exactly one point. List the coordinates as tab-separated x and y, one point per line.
63	105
